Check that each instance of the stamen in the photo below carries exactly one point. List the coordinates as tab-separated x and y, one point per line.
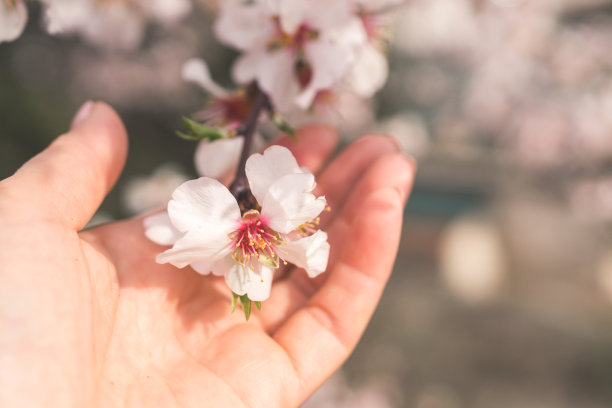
255	242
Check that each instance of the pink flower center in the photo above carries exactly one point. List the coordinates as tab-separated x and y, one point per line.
254	242
228	111
371	25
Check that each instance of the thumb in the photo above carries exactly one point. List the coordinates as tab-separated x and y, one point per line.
68	180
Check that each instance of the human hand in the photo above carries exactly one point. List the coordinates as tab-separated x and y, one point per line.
89	319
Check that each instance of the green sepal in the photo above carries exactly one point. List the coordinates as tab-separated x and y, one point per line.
234	299
258	305
198	131
246	306
272	262
284	126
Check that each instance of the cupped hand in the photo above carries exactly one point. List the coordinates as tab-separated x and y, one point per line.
87	318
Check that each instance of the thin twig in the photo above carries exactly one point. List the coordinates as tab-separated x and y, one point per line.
240	186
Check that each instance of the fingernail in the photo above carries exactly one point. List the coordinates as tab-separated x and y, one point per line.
412	160
396	142
82	113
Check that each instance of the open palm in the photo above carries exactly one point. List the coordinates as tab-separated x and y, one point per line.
89	319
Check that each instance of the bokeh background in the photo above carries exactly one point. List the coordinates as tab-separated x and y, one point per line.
502	291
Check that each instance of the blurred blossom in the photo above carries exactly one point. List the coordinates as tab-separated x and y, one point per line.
437	26
534	77
13	18
349	112
112	24
302	53
409	130
472	259
148	193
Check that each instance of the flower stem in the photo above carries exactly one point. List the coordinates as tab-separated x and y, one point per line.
240	186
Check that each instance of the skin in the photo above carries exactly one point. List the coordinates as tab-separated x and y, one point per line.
89	319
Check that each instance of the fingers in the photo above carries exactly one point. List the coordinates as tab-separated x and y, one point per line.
336	182
320	336
67	181
313	146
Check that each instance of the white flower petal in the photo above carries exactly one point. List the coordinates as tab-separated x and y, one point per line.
352	35
166	11
218	159
204	204
195	70
259	285
369	72
263	170
160	230
243	280
218	268
276	76
329	63
293	13
290	204
244	26
236	278
377	5
246	67
310	253
337	14
223	265
203	268
198	245
12	20
62	16
114	25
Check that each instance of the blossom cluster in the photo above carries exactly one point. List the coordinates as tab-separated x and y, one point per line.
304	52
311	58
109	23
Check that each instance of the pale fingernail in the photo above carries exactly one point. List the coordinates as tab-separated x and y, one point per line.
412	160
82	113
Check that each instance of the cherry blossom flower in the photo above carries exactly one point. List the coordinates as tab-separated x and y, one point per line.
210	232
370	70
13	18
112	23
292	48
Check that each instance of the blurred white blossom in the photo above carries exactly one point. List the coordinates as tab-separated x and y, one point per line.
472	259
13	18
409	130
116	24
148	193
298	49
